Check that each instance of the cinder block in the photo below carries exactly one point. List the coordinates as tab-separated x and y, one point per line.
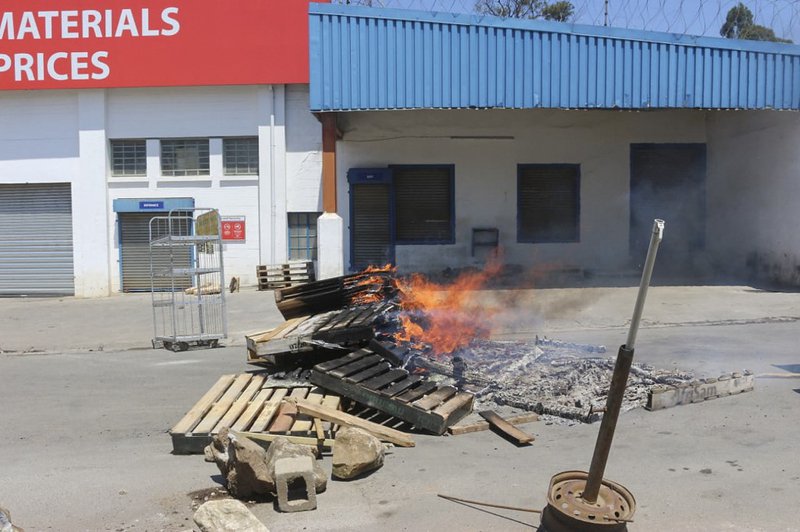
293	475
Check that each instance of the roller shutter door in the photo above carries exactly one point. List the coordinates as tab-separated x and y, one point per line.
422	204
371	231
548	203
134	237
36	240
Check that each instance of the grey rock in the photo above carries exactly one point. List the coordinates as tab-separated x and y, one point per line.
243	463
5	522
356	452
227	515
283	448
250	470
248	474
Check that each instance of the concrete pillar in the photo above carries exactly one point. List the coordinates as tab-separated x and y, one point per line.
330	227
90	200
272	223
330	246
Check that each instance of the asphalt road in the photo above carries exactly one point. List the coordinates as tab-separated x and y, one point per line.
85	447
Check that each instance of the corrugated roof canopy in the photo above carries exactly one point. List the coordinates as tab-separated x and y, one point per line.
373	58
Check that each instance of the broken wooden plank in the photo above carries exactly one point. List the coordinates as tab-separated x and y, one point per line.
378	382
507	428
241	403
336	416
401	386
435	399
269	410
220	407
368	373
337	362
302	440
258	402
287	412
415	393
661	396
479	426
193	416
354	367
460	402
393	406
303	423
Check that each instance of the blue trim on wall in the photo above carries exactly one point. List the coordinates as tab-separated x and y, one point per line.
373	58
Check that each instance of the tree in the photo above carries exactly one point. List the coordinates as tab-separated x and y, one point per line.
740	24
561	11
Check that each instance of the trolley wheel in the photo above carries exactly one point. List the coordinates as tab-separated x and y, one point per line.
182	346
168	345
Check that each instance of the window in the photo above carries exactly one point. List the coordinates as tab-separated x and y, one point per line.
240	156
548	203
184	157
303	235
423	204
128	158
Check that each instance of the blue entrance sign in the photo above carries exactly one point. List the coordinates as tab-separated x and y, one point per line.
151	205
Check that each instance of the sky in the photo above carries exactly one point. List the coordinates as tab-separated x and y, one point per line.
694	17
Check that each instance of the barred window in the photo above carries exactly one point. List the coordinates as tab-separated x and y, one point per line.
240	156
548	203
184	157
128	158
303	235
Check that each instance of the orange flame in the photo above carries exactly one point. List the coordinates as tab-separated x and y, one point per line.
368	296
445	316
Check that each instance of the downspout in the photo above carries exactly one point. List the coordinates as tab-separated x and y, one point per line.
273	204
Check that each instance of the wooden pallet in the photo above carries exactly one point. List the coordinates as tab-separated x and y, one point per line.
662	396
305	334
275	276
367	378
247	402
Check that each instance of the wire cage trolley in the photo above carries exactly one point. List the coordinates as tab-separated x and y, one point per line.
186	276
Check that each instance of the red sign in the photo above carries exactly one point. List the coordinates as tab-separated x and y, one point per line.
152	43
233	228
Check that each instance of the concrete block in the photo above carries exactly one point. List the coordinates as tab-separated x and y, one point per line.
295	476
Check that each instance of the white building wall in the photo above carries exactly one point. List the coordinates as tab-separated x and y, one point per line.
486	173
62	136
303	153
754	194
38	136
206	112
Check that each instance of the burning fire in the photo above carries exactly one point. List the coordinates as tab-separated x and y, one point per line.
442	315
373	278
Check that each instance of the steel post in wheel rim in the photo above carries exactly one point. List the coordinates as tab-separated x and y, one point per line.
567	511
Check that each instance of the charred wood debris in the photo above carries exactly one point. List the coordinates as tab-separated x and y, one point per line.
564	382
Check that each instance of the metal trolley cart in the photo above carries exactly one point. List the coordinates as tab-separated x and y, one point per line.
186	279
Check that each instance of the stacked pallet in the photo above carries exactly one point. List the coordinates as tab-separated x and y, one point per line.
275	276
336	329
248	403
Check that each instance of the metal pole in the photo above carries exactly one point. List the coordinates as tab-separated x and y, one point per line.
620	377
647	273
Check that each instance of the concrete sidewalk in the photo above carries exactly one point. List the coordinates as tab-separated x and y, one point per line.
124	321
117	323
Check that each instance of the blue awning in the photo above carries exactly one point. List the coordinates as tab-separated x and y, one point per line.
372	59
